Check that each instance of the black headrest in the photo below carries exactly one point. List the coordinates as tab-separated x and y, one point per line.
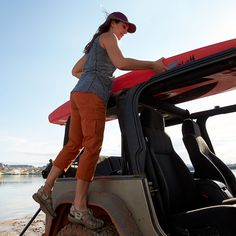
190	127
153	119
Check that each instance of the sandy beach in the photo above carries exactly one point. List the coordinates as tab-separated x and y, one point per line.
14	227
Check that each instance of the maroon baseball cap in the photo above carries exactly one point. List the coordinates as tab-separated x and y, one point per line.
120	16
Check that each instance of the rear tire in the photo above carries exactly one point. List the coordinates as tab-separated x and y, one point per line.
79	230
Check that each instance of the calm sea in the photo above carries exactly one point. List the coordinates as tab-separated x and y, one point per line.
16	195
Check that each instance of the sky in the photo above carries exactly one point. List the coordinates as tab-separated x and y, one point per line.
42	40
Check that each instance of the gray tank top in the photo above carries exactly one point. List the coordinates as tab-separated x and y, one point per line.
98	73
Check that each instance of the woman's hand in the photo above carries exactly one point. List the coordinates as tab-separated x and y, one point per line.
159	65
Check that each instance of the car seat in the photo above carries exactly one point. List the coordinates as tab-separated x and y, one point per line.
206	163
184	207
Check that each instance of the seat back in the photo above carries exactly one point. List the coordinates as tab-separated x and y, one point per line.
175	182
206	163
109	166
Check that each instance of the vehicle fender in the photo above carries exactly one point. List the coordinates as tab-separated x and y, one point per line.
117	210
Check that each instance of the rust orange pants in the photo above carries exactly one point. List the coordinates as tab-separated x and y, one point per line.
88	113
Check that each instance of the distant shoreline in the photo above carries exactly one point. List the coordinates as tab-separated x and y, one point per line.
23	174
21	170
232	166
28	170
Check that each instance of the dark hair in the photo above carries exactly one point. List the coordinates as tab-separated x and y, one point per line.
101	29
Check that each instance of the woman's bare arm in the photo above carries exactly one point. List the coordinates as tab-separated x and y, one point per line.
109	42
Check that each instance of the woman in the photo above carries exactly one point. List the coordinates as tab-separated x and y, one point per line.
88	111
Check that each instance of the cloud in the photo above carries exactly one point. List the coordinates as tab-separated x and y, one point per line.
24	151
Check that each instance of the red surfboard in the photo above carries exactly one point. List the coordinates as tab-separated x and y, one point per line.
130	79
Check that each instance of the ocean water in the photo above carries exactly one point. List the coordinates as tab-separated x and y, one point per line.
16	195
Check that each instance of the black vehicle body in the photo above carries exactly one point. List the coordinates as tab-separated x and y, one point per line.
158	193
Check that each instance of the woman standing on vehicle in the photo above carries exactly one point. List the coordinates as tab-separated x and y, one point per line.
88	112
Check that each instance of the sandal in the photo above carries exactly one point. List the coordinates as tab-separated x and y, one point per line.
85	218
45	202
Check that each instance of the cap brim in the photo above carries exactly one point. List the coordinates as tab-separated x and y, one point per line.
132	27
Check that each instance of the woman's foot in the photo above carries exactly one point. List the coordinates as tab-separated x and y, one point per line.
85	218
45	201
